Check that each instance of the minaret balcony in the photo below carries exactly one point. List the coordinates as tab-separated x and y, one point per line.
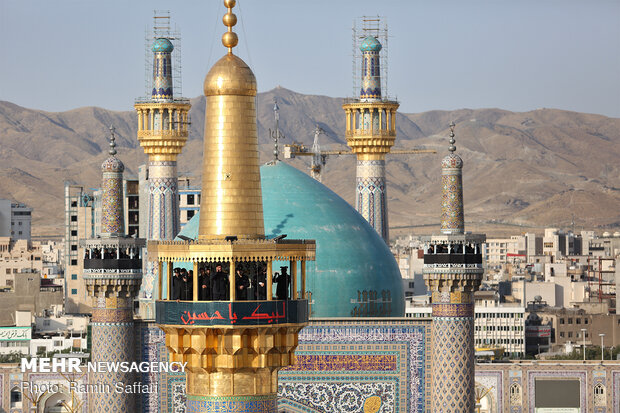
231	283
165	133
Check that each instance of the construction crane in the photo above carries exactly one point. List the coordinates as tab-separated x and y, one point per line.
319	157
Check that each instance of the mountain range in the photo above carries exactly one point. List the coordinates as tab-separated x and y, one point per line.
523	170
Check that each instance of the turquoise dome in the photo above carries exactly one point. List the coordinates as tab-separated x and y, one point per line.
162	45
370	44
355	274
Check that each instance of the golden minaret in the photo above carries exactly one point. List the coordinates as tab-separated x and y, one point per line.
234	340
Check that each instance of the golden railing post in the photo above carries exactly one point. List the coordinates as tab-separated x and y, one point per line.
195	281
294	279
269	280
303	279
231	279
168	280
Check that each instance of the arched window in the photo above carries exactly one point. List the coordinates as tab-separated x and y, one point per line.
515	394
599	396
16	398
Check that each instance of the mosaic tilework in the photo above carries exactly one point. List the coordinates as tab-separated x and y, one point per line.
337	397
406	339
177	395
162	75
152	349
112	204
332	362
452	387
616	391
491	381
112	342
515	402
598	378
163	216
245	404
112	315
163	200
371	75
452	310
452	217
371	198
54	379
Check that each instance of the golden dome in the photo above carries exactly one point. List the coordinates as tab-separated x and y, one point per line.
230	76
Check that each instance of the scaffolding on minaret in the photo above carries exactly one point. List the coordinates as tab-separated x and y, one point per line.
363	27
162	28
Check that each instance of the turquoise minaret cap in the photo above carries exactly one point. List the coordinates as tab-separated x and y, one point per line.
162	69
370	44
162	45
371	69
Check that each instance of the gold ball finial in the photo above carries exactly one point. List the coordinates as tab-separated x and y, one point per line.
229	39
229	19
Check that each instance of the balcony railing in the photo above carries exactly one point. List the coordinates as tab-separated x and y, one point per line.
453	258
112	264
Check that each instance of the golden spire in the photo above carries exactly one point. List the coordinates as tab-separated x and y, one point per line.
231	202
229	39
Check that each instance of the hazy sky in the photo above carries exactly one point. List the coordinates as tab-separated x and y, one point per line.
516	55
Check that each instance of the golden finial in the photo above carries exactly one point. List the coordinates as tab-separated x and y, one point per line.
229	39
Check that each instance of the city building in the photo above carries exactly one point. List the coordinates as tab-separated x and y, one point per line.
18	256
499	326
30	293
15	220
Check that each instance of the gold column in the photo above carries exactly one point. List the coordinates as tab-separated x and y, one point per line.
168	280
232	280
303	279
294	279
230	173
195	282
269	280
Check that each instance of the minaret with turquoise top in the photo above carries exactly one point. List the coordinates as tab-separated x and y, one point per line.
163	121
370	133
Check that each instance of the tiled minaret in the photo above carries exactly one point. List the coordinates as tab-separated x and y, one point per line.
113	272
162	132
370	133
234	344
453	272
